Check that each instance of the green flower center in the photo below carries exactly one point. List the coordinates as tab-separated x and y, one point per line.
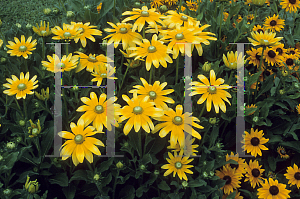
60	65
92	59
151	49
282	152
78	139
178	165
228	179
22	48
212	89
152	95
177	120
179	36
137	110
81	30
297	176
274	190
184	18
271	54
145	13
43	32
35	131
99	109
255	172
67	34
292	1
123	30
264	41
255	141
103	75
22	86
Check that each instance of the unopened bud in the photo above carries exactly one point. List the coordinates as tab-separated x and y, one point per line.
22	123
281	92
18	25
10	145
70	14
185	183
213	120
142	167
119	165
47	11
7	192
255	119
55	10
96	177
211	173
28	26
205	175
206	67
163	8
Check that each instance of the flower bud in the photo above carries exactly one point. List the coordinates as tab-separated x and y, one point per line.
284	73
219	145
255	119
206	67
75	88
55	10
35	169
96	177
1	157
211	173
31	186
126	144
7	192
142	167
3	60
22	123
119	165
36	105
10	145
204	162
47	11
296	85
184	184
81	50
70	14
28	26
213	120
19	139
0	23
205	175
137	4
86	7
281	92
18	25
156	172
104	43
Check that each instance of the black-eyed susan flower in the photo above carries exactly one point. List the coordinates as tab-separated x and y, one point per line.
212	92
293	175
272	56
67	33
290	5
155	52
86	32
123	33
272	189
102	71
142	16
21	86
189	149
240	168
178	165
293	51
289	61
66	63
169	3
44	94
231	177
253	142
155	93
138	113
79	144
255	56
34	129
298	109
156	3
254	173
43	30
280	49
264	39
192	5
177	122
90	62
282	152
259	29
22	48
274	24
225	14
99	111
232	60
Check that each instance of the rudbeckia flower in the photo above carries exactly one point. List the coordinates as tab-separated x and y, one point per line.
253	142
274	24
273	189
290	5
103	71
254	173
264	39
254	56
272	56
65	64
232	179
86	31
42	30
21	86
177	19
293	175
79	144
233	60
189	149
67	33
240	167
90	61
22	48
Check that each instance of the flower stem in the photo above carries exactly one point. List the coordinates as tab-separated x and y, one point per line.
115	183
25	108
221	18
19	106
140	143
123	78
180	3
177	66
254	16
230	77
143	32
62	5
150	78
202	111
43	48
260	65
114	10
67	50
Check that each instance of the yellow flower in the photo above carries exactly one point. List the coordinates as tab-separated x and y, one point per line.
142	16
264	39
90	62
138	113
170	2
31	186
155	93
68	32
233	60
155	52
272	56
231	177
100	112
254	173
255	56
226	14
177	122
290	5
253	142
293	175
79	144
65	64
42	30
259	29
212	92
103	71
192	5
189	148
44	94
1	42
273	189
99	7
21	48
21	86
281	151
178	164
156	3
174	19
124	34
274	24
240	168
34	129
86	31
298	109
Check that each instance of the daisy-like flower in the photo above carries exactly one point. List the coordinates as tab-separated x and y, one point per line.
272	56
138	113
67	33
21	86
1	42
160	29
65	64
103	71
254	173
226	15
44	94
298	109
189	148
289	61
79	144
142	16
90	61
169	3
290	5
86	31
294	51
155	93
156	3
264	39
253	142
177	122
231	177
22	48
192	5
259	29
212	92
254	56
34	129
99	7
177	19
293	175
155	52
178	164
273	189
280	49
100	112
124	34
252	106
274	24
282	152
42	30
233	60
240	168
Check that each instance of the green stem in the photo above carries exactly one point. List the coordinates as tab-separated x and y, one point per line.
150	78
144	151
179	9
143	32
115	183
43	48
114	10
25	109
221	18
140	143
26	67
177	66
67	50
230	77
259	69
202	111
204	136
123	78
19	107
62	5
254	16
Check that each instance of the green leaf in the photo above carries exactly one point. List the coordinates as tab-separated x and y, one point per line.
141	190
104	166
60	179
163	186
69	191
267	85
296	96
47	141
76	5
231	196
275	139
106	180
253	79
9	161
213	136
79	175
234	10
146	159
293	144
272	163
197	183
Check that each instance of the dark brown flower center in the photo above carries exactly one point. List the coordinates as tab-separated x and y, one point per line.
279	50
297	176
228	179
260	30
273	23
274	190
292	52
234	166
271	54
255	172
255	141
289	62
257	56
292	1
267	73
